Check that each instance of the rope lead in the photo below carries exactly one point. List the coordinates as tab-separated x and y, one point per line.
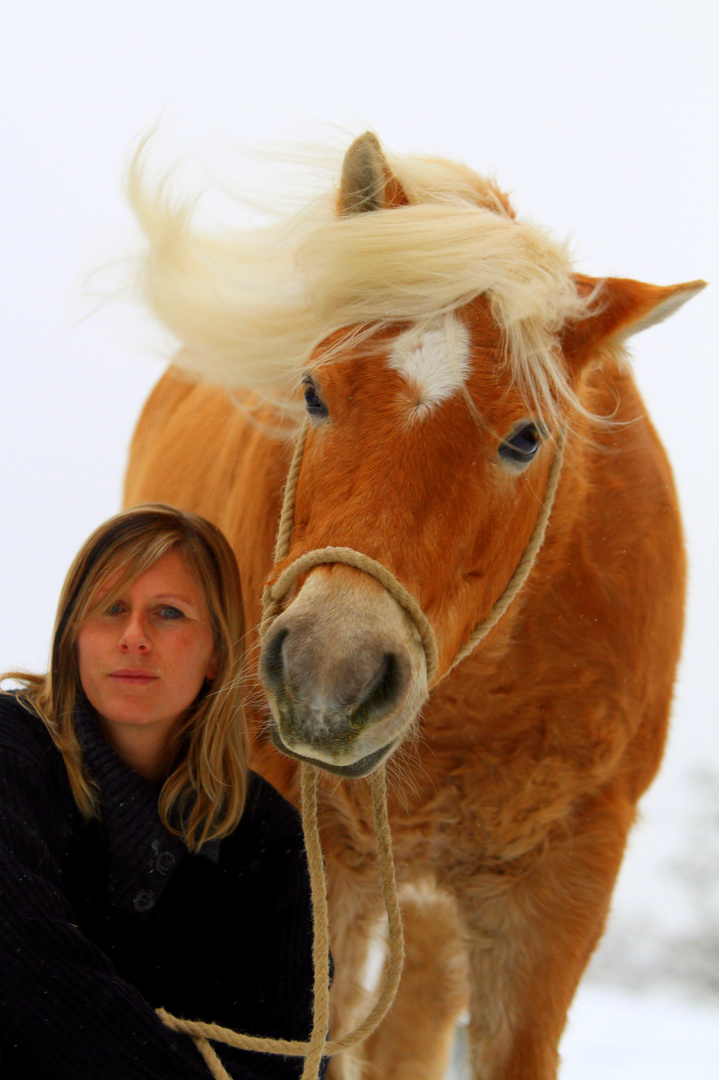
319	1046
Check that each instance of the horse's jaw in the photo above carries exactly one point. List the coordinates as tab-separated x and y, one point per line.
363	767
344	671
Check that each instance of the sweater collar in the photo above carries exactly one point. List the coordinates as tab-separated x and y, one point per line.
142	854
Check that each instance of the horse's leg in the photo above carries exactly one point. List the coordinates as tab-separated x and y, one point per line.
532	929
415	1040
355	917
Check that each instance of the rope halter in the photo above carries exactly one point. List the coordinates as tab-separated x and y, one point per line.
276	591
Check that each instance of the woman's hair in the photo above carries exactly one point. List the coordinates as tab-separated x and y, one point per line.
204	795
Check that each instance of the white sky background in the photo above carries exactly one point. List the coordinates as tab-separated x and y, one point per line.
601	119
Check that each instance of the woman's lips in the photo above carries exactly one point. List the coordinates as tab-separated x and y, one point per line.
133	677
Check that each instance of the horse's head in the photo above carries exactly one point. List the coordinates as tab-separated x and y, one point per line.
433	426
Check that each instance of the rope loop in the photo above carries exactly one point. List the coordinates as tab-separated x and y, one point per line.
275	592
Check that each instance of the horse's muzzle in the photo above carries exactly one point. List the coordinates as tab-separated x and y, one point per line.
344	672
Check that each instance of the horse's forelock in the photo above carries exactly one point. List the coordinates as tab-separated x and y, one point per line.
250	309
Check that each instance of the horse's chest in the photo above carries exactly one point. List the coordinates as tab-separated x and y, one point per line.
461	831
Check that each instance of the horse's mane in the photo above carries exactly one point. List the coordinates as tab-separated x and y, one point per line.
249	308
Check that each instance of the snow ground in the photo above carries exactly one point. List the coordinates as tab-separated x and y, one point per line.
622	1035
627	1036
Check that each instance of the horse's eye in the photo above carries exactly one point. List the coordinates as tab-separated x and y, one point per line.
313	401
520	447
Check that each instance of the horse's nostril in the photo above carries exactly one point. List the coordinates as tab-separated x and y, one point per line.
382	688
273	665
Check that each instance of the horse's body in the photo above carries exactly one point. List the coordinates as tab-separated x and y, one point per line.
511	801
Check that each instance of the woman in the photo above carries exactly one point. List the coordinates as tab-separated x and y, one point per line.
141	863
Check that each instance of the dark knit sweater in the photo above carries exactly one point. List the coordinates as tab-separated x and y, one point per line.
101	923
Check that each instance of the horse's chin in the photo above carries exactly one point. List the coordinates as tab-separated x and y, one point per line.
357	769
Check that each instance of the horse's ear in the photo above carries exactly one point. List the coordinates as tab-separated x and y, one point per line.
367	180
621	307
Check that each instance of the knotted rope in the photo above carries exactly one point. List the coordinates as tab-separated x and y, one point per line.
318	1045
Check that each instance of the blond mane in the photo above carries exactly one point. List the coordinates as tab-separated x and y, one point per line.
250	308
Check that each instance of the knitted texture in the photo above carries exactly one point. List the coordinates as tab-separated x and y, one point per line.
229	936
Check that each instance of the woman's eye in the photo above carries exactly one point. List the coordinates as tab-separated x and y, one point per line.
169	612
521	446
313	401
114	609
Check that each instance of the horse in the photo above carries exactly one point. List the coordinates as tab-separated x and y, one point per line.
447	354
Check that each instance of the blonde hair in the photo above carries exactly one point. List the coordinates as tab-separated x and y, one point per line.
250	309
204	795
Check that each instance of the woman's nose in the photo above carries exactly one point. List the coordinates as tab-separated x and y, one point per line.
134	635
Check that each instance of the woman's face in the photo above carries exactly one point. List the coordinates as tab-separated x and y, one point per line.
143	660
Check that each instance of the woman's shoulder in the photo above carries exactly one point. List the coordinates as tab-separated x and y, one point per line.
28	755
264	804
270	826
33	780
21	729
268	844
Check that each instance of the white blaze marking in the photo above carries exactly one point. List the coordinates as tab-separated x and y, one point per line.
434	359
